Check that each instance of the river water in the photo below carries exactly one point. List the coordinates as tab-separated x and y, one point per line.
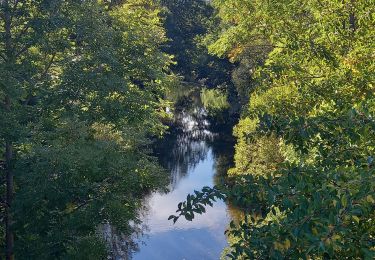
195	157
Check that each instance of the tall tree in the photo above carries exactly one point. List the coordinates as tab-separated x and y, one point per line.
22	28
82	85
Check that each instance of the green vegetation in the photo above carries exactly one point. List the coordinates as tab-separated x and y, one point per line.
214	100
305	143
187	21
81	92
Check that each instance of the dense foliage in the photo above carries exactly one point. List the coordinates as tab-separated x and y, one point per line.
187	21
81	93
214	100
304	158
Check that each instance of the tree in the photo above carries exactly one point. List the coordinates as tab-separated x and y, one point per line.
22	28
82	86
187	21
312	107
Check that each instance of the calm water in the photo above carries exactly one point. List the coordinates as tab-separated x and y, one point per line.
195	158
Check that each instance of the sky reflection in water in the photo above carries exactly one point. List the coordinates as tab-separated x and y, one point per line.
191	161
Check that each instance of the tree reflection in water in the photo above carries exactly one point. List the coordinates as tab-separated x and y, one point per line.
195	156
186	145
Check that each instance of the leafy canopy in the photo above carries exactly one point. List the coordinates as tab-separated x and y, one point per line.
305	144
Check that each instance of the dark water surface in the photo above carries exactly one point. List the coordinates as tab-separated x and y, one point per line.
195	157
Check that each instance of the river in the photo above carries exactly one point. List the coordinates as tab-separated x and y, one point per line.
195	157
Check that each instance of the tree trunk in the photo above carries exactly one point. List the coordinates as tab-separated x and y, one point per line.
9	198
9	238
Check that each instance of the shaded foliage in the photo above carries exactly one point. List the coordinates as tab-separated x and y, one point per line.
81	95
187	21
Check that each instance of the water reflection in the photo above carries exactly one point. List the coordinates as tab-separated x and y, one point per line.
186	146
195	158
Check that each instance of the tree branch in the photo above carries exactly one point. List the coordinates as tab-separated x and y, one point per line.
25	48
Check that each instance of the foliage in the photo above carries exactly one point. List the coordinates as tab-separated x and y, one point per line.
305	149
187	21
197	203
214	100
81	95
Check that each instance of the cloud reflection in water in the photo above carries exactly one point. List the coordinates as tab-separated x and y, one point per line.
187	154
